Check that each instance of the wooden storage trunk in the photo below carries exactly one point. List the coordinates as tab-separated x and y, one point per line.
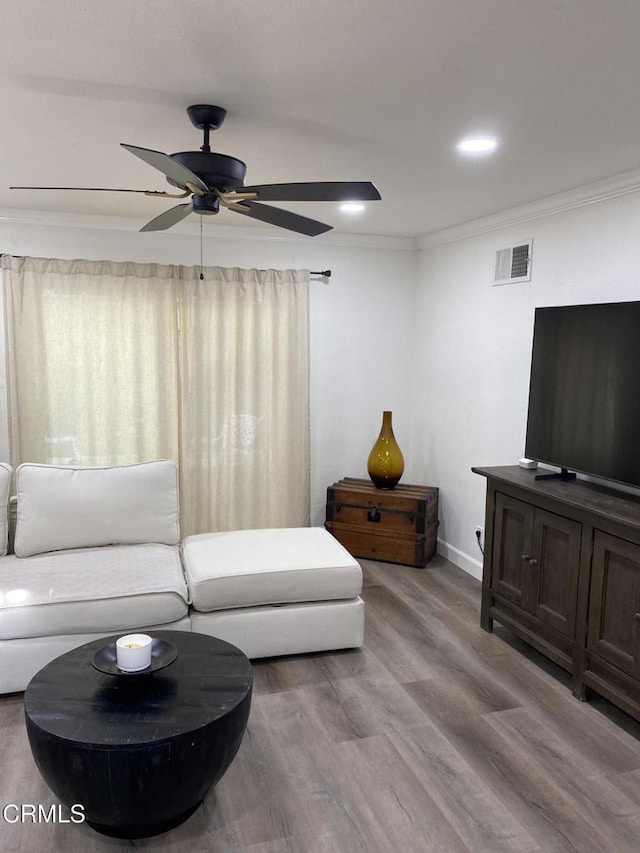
393	525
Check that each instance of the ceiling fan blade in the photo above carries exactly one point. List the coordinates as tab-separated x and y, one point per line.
321	191
168	218
282	218
169	168
89	189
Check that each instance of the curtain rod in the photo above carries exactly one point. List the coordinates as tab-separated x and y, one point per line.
323	273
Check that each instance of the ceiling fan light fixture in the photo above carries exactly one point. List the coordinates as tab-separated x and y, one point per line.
352	207
477	145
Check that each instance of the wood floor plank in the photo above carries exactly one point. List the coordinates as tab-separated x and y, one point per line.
473	809
612	747
629	784
328	843
386	638
359	708
445	585
281	674
449	657
539	802
405	813
293	785
606	808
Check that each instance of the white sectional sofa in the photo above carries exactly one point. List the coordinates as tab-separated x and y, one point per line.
97	551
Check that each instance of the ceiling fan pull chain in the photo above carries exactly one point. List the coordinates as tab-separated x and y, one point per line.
201	273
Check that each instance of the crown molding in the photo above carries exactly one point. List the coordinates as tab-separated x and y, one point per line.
594	193
16	216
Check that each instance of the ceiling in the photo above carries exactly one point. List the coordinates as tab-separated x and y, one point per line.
321	90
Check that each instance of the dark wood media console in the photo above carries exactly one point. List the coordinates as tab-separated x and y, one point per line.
562	572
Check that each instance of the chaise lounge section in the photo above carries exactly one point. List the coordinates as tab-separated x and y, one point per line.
97	551
275	591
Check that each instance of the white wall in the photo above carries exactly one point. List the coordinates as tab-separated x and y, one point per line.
361	322
473	343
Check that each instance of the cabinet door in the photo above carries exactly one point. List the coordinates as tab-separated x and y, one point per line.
554	565
614	605
513	538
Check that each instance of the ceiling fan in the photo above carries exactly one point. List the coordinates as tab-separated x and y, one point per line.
214	179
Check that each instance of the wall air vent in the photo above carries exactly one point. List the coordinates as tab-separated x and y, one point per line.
513	263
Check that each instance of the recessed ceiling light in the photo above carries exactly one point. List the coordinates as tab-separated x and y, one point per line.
352	207
477	145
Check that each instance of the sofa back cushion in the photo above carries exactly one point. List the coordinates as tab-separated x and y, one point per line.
61	507
5	485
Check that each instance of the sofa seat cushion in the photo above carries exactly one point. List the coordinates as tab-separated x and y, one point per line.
91	590
244	568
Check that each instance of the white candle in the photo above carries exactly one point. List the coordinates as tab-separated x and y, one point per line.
133	652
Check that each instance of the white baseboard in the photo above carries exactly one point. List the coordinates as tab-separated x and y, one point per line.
465	561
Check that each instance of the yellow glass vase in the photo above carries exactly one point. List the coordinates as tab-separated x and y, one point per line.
386	462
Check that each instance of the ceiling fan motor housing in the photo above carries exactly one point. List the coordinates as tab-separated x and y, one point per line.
219	171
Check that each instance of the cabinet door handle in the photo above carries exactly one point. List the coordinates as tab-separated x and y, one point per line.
533	562
525	557
636	616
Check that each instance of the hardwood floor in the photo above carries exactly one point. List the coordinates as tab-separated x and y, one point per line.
436	737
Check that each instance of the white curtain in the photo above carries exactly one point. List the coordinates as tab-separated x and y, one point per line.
110	363
245	398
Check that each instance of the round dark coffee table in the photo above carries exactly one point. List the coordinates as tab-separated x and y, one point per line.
139	752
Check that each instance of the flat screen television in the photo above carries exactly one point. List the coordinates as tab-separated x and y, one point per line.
584	393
